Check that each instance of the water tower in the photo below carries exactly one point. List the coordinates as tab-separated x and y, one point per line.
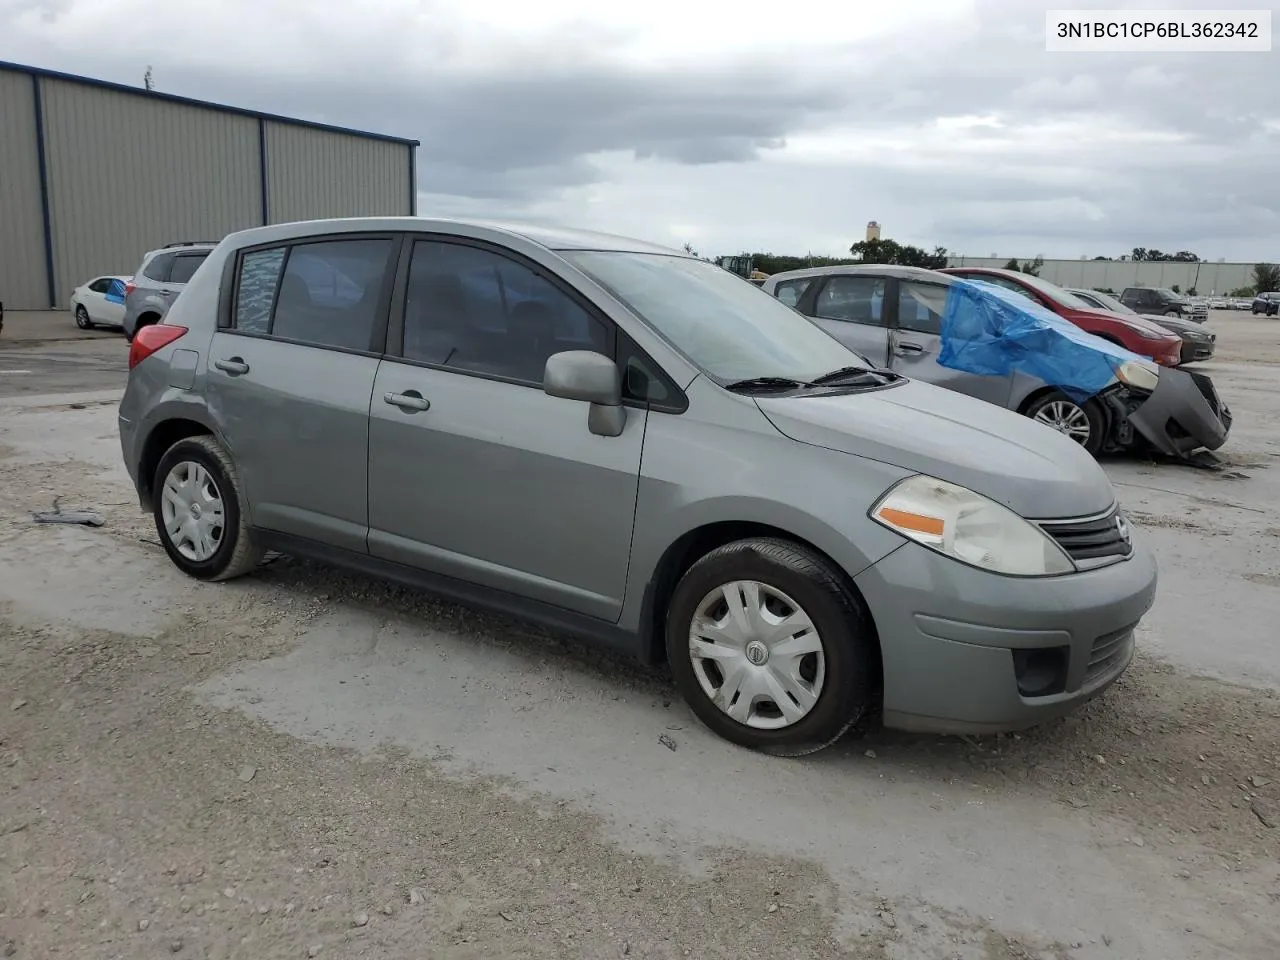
873	230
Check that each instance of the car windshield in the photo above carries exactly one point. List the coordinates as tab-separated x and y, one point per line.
729	328
1055	292
1110	303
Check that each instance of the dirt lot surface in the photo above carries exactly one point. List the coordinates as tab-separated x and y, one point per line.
306	763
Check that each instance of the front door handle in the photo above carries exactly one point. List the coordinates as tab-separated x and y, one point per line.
904	347
235	366
411	401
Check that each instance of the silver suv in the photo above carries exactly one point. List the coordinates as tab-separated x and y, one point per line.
157	282
630	443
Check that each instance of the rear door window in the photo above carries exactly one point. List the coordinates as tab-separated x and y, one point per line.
158	268
184	266
331	291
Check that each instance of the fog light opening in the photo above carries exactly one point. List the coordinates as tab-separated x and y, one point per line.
1041	672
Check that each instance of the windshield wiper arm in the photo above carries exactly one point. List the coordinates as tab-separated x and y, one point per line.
767	383
852	373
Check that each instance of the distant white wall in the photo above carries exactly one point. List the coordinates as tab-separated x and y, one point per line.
1213	278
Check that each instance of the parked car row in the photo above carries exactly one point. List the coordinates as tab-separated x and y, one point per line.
131	302
1198	343
893	316
634	444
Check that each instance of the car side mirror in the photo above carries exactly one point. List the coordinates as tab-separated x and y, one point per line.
592	378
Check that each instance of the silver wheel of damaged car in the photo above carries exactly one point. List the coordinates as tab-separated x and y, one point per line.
1066	417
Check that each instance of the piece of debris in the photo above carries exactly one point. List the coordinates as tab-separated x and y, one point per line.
416	896
1137	841
18	704
1100	760
1265	812
247	772
84	517
1204	778
772	908
175	945
143	924
360	920
1258	781
667	742
313	950
870	754
387	910
504	915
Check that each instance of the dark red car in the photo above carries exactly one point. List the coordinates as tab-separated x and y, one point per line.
1140	336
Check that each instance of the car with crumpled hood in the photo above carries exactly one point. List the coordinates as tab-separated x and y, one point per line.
625	442
991	343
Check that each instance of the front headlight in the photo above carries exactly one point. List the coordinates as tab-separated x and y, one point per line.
1140	376
968	527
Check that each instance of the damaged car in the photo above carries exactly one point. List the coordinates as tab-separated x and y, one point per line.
981	339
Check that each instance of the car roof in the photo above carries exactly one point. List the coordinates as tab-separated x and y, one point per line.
551	236
869	269
996	271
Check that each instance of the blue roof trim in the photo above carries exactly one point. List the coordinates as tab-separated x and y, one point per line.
207	104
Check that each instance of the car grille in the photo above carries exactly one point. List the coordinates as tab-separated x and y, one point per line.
1209	392
1108	652
1093	540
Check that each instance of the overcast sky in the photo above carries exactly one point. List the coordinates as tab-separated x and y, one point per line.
699	121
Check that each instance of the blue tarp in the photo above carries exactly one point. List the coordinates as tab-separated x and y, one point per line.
992	331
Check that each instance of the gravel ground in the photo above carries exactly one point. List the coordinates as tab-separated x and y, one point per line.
307	763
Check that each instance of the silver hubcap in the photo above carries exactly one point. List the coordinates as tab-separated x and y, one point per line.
757	655
193	512
1065	417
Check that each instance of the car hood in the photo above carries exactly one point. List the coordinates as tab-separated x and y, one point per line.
1030	468
1174	323
1135	320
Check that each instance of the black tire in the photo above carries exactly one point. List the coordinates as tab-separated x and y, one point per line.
236	554
1092	410
82	318
842	622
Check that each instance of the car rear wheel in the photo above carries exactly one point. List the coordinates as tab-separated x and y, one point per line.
198	514
82	318
1172	313
1084	422
770	648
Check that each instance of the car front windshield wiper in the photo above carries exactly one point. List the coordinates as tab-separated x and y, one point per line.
766	383
847	374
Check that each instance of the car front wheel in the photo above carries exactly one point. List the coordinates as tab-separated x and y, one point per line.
198	511
1084	422
770	648
82	318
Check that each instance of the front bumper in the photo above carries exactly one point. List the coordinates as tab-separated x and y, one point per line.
1183	414
949	632
1193	350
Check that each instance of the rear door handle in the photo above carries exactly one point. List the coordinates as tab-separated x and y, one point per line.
235	366
411	401
904	347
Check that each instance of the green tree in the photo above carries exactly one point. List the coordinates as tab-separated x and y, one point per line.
1174	288
1012	264
1266	276
890	251
1032	267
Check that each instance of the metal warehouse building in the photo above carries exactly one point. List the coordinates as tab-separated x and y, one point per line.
94	174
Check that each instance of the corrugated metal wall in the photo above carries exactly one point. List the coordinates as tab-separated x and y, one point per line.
315	173
129	173
22	262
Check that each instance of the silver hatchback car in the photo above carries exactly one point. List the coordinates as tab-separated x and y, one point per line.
629	443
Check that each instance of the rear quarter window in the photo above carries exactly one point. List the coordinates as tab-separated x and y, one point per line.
158	267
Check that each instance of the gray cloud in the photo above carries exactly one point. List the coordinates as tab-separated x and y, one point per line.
526	132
